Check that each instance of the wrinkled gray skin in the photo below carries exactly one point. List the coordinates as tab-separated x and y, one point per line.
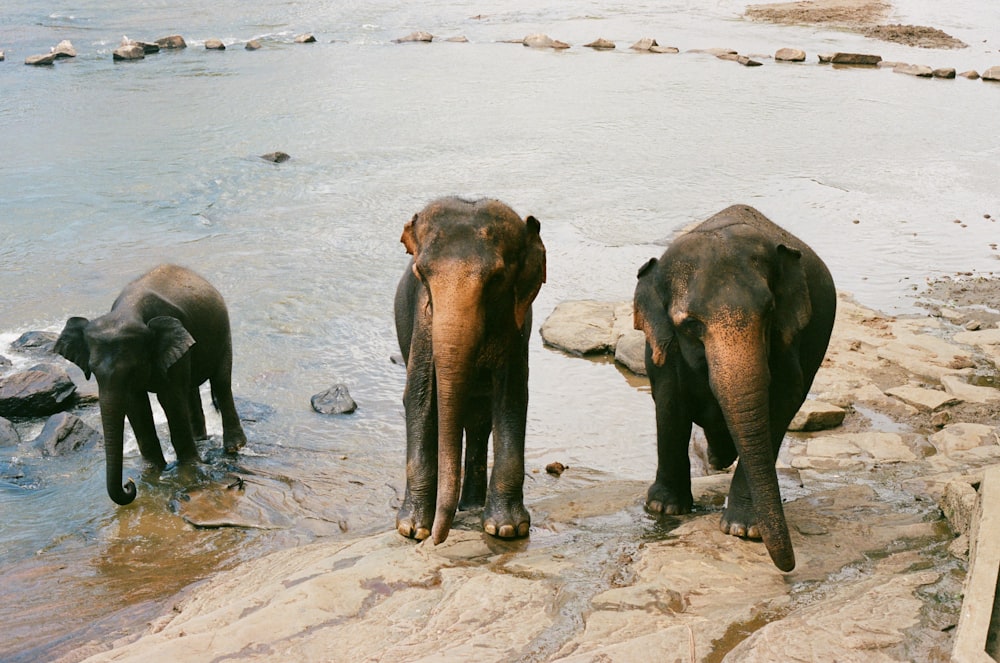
166	333
463	317
737	316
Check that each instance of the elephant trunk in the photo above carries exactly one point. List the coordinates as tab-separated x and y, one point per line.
740	379
455	335
113	420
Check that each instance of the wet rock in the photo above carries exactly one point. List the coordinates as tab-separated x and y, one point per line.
644	44
927	400
992	74
148	47
214	45
252	45
64	49
601	44
276	157
335	400
40	60
959	388
556	468
4	362
958	503
630	351
858	59
944	72
790	55
415	37
11	471
544	41
128	52
971	74
825	58
717	52
252	412
748	62
8	434
919	70
962	437
3	56
233	502
580	327
305	39
663	49
64	433
817	415
171	42
36	392
35	340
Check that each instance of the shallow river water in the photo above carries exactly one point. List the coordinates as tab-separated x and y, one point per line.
108	169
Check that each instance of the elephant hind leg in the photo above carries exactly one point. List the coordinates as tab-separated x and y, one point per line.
197	415
721	448
233	437
477	434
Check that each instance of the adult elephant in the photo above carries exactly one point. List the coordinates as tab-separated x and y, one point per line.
167	333
463	317
737	316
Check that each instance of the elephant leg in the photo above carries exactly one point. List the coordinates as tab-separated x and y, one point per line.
140	417
415	517
197	415
721	448
504	514
671	491
233	437
175	404
479	419
739	517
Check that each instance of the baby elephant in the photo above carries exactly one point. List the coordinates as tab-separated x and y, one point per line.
463	317
167	333
737	316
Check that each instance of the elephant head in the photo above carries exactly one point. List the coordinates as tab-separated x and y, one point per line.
729	300
128	357
482	266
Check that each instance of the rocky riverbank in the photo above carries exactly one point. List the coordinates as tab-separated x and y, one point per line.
879	508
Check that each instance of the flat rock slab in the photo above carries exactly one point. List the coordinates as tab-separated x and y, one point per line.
581	327
928	400
963	436
817	415
970	393
861	59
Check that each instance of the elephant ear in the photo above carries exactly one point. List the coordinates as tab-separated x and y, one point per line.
792	305
408	237
650	312
171	341
72	344
533	271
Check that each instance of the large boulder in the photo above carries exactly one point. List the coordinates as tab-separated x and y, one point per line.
581	327
64	433
126	52
64	49
35	340
858	59
8	434
37	392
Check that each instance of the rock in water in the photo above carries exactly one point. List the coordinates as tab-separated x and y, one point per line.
276	157
63	433
64	49
36	392
173	41
131	51
335	400
214	45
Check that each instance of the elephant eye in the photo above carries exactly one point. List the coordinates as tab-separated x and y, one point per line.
692	327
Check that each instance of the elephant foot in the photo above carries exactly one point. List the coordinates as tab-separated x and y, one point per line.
233	442
720	461
740	519
511	522
414	525
664	499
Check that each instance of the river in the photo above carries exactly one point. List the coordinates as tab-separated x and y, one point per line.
108	169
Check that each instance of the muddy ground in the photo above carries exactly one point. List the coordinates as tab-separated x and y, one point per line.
865	16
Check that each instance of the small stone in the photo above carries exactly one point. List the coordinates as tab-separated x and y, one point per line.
415	37
857	59
973	325
940	419
920	70
971	74
555	468
790	55
8	434
40	60
825	58
128	52
214	45
276	157
992	74
63	433
64	49
305	39
252	45
171	42
644	44
601	44
335	400
944	72
817	415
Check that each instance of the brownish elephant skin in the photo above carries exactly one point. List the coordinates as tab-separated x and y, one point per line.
463	319
737	316
167	333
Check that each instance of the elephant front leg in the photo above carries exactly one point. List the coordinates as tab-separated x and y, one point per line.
176	406
670	493
140	417
233	437
197	415
505	515
739	518
415	517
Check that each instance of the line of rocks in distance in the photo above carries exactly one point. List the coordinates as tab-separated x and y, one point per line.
137	50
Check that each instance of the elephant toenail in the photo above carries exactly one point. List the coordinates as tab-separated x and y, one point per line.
422	533
507	531
522	529
490	528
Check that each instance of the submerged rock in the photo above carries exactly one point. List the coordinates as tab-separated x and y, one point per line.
335	400
8	434
64	433
35	340
40	60
252	45
126	52
37	392
415	37
276	157
214	45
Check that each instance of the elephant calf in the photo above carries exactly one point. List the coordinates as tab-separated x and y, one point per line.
463	316
737	316
166	333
